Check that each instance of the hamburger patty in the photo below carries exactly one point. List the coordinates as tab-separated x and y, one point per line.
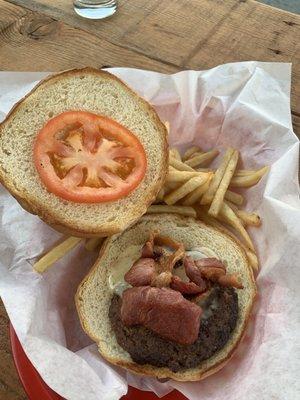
220	313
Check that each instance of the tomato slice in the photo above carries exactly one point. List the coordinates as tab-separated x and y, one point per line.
88	158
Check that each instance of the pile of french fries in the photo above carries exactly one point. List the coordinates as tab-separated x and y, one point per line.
194	189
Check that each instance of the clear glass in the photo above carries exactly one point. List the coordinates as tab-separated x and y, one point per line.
95	9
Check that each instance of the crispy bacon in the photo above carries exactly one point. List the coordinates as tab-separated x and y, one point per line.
164	311
230	281
147	250
210	262
194	273
141	273
184	287
212	273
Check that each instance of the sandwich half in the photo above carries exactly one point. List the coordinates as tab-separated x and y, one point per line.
83	152
169	297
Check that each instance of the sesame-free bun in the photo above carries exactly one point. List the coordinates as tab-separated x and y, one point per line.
101	93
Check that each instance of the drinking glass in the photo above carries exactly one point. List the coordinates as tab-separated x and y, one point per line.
95	9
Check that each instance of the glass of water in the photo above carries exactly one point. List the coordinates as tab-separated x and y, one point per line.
95	9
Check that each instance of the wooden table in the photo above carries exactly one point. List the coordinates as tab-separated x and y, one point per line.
166	36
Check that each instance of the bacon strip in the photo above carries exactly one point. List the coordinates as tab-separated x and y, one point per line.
141	273
194	273
184	287
230	281
164	311
214	270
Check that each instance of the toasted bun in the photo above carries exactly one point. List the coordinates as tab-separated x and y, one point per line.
94	296
101	93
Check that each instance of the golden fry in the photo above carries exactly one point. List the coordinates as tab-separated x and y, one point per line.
92	243
179	165
244	172
209	195
220	193
246	218
196	194
167	125
160	196
186	211
55	254
252	219
181	176
175	153
227	215
251	256
204	170
235	198
189	152
248	180
169	186
185	189
203	158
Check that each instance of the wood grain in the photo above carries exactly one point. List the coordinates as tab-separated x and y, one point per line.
192	34
10	386
165	36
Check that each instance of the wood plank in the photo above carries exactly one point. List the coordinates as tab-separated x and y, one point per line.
10	386
33	41
192	34
252	32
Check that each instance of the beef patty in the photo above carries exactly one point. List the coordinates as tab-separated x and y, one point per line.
218	320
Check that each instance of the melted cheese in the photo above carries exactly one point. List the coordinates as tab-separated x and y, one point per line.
116	281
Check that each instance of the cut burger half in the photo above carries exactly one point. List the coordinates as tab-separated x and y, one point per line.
84	152
170	297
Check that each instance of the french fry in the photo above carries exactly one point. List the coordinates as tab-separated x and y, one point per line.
179	165
209	195
160	196
167	125
244	172
181	176
227	215
175	153
196	194
185	189
204	170
170	186
202	159
251	256
55	254
220	193
159	209
251	219
189	152
235	198
198	153
248	180
91	244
